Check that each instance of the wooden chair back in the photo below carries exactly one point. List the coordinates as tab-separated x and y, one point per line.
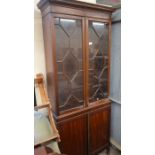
42	102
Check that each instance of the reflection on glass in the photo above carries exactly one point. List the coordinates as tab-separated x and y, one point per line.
69	62
98	60
67	20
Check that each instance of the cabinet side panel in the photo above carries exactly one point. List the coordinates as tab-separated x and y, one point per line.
73	133
99	126
49	60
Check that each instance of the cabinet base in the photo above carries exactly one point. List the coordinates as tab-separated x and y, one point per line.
85	133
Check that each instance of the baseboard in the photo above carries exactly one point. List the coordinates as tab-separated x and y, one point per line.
113	142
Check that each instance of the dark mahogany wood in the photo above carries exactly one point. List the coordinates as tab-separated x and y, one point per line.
99	124
73	133
50	61
85	129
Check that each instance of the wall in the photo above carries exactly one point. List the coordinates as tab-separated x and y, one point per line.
115	85
39	57
109	2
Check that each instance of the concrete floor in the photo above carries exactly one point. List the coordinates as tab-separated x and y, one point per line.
113	151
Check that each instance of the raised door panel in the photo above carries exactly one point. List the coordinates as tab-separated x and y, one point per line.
73	135
99	126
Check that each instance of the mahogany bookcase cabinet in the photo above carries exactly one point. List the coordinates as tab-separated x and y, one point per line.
77	38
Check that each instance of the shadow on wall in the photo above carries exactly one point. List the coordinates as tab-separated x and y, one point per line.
39	56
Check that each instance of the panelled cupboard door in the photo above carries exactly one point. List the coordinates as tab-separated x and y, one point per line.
99	125
73	133
98	36
69	61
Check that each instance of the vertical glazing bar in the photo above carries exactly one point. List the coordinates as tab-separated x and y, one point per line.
86	59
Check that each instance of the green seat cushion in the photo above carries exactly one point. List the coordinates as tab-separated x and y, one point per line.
43	130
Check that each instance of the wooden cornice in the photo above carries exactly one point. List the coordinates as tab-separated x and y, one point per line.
77	4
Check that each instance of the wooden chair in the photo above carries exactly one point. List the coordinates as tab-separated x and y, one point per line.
43	109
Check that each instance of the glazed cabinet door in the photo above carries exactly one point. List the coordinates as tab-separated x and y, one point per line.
69	61
98	60
99	127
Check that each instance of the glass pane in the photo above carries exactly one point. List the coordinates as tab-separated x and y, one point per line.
69	62
98	60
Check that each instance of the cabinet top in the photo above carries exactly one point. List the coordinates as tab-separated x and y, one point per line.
77	4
